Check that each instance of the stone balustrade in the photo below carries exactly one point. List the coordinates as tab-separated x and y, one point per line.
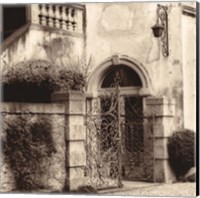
63	16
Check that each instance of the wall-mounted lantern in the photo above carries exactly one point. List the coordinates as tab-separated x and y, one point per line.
160	29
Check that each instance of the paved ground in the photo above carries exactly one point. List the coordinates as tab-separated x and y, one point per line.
152	189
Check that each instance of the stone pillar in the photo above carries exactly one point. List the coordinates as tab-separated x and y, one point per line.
33	13
75	137
163	110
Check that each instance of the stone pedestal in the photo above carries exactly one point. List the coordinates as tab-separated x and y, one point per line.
75	136
163	110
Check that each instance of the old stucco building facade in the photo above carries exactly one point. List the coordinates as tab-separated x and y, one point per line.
120	35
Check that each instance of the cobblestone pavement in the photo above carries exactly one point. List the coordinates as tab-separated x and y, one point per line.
152	189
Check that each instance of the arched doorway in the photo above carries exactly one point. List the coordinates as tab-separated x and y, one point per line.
98	75
130	118
119	137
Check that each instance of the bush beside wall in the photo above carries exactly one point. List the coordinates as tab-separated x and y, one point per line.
36	80
181	151
27	144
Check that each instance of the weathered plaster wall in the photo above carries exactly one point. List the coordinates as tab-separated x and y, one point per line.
189	71
38	42
126	29
54	175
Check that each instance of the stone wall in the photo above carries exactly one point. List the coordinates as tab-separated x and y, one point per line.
189	69
55	176
65	168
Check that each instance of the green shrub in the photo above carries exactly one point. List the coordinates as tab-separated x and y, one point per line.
181	151
27	148
35	80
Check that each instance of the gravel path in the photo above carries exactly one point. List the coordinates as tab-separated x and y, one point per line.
175	189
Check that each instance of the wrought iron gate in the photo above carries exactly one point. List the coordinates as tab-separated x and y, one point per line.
116	145
103	142
137	141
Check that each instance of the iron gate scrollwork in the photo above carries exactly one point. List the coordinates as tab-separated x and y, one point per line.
103	142
116	145
133	139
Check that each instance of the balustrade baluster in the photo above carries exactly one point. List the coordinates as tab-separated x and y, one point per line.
47	14
42	14
57	16
63	17
39	15
70	19
50	16
60	16
74	19
67	11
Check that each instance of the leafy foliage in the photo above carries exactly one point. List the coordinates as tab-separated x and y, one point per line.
181	151
27	147
35	80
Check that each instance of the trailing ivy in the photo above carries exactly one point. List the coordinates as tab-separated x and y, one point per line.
27	146
35	80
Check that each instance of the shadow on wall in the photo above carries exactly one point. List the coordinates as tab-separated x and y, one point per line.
26	92
59	50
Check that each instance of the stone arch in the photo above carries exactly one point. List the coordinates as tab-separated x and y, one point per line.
99	73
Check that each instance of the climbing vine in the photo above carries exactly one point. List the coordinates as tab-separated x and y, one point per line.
27	147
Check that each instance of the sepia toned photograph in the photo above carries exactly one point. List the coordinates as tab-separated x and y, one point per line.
98	98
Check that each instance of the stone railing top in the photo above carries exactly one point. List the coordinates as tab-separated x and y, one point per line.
34	108
66	96
67	17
